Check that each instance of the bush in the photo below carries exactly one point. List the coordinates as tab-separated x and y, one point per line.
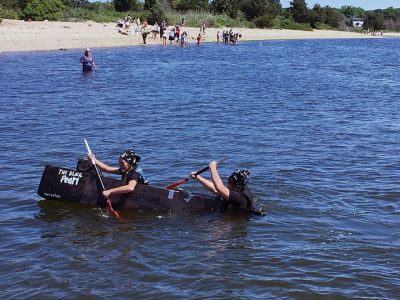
40	10
6	13
264	21
323	26
289	23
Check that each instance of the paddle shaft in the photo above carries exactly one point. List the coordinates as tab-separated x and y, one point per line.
206	168
101	181
94	164
175	184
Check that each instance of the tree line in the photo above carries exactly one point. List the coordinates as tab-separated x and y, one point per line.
249	13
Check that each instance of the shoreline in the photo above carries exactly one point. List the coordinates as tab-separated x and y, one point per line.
20	36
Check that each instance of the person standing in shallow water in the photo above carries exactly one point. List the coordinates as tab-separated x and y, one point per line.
87	61
129	170
236	193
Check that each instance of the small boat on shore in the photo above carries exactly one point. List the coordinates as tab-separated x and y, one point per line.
83	186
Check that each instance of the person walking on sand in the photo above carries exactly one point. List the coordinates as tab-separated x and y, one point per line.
236	193
87	61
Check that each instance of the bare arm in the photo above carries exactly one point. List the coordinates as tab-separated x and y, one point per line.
121	189
205	182
219	186
102	166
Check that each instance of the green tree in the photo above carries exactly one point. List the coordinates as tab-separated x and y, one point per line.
299	11
256	8
374	20
125	5
78	3
185	5
156	13
229	7
10	4
40	10
352	11
316	15
333	16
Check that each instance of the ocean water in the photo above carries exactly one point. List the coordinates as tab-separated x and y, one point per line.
316	122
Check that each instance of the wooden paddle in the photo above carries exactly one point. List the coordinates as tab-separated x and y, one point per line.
175	184
108	201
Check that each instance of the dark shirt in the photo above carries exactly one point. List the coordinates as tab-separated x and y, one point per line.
241	199
133	175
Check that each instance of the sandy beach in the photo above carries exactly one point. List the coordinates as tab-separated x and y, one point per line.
17	35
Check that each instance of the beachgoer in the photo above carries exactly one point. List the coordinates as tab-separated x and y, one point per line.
131	173
198	39
164	38
183	39
87	61
218	37
155	30
171	35
177	33
236	193
144	35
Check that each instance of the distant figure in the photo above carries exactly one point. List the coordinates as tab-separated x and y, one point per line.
177	33
87	61
164	38
155	30
184	21
218	37
183	39
198	39
171	35
144	36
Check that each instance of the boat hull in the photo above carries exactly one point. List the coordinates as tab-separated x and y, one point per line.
82	186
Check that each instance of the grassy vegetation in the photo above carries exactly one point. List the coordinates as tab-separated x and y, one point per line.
13	14
289	23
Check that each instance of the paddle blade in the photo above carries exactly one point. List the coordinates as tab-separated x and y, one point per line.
175	184
116	214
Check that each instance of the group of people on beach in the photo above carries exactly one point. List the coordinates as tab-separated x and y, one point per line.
235	192
228	37
176	33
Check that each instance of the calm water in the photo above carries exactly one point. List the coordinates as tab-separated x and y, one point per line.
317	123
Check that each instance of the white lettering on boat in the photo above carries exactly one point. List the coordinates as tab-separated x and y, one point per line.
69	177
52	195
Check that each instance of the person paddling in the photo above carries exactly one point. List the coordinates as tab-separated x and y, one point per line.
87	61
129	170
236	193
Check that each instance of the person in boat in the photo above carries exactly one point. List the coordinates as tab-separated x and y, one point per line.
236	193
87	61
131	173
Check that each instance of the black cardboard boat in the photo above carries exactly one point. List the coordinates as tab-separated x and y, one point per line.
82	186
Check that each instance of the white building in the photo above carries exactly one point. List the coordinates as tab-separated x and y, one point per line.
357	22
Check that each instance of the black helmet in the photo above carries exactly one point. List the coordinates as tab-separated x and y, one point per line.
130	157
239	178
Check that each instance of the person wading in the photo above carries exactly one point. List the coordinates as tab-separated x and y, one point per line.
87	61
